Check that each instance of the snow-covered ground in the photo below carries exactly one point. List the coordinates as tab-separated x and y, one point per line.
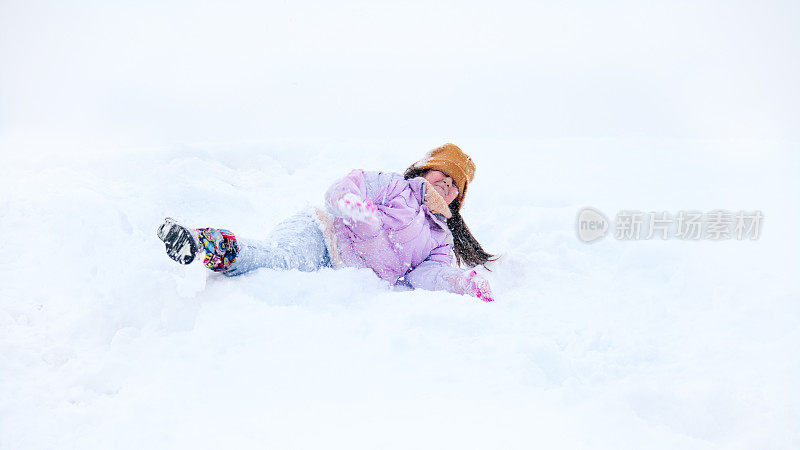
236	114
106	343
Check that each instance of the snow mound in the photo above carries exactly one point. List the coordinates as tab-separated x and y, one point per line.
106	343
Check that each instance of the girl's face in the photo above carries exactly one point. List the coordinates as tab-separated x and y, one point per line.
443	184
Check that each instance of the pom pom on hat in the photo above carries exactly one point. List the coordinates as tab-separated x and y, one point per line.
452	161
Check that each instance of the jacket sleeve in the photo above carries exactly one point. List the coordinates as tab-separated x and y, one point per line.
380	188
436	272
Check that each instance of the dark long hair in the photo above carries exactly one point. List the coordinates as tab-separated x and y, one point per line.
467	249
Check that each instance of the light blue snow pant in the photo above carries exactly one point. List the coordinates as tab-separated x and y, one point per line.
295	243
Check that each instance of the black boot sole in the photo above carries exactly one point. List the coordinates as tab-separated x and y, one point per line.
178	241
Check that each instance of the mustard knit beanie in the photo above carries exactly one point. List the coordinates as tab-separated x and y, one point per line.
452	161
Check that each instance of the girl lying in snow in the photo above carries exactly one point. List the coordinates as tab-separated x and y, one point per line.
403	227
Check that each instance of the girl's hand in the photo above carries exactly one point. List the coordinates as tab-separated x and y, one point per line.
354	208
473	284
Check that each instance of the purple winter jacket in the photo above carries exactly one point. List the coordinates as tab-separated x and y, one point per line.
411	241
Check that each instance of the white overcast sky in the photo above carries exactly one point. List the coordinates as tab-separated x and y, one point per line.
142	72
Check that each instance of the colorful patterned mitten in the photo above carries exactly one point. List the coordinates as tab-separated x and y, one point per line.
220	246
